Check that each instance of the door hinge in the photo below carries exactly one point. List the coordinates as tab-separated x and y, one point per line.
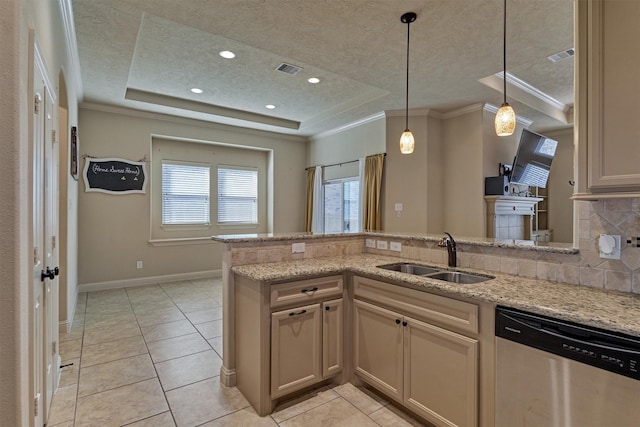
36	404
53	136
53	242
35	255
37	101
54	347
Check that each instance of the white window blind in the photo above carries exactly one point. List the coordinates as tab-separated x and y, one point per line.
185	194
237	196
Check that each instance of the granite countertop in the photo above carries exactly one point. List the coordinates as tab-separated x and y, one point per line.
564	248
614	311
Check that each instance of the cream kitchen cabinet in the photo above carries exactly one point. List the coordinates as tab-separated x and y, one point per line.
288	336
306	346
430	369
607	98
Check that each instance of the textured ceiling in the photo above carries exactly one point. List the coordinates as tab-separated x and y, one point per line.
147	54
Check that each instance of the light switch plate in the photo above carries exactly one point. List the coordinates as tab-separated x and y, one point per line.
398	207
395	246
370	243
297	248
381	244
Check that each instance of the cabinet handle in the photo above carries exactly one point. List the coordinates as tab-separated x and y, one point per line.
397	321
294	313
309	291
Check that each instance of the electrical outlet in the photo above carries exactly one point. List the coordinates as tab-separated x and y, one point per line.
395	246
610	246
297	248
370	243
381	244
138	265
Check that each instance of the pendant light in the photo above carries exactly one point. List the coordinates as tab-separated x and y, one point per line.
505	118
406	140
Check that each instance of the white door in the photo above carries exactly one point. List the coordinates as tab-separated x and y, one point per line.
44	359
51	360
37	318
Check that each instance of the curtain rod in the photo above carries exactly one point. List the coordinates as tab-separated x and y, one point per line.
340	164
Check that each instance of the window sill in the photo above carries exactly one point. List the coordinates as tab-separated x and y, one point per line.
181	241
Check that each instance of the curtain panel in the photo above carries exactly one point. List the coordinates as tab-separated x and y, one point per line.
309	210
371	216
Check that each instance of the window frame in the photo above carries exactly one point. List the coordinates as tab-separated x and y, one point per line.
184	226
256	208
352	179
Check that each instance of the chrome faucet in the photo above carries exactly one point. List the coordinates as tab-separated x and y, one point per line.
450	244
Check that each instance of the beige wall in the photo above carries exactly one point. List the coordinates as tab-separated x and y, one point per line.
405	178
114	231
463	179
349	144
560	191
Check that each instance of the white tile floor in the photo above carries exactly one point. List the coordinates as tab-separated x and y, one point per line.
151	356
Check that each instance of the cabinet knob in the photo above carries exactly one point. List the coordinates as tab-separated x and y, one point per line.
404	323
397	321
327	308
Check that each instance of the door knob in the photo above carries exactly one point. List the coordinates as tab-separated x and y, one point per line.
47	274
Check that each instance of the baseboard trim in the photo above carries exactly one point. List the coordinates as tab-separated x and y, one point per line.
151	280
64	326
227	377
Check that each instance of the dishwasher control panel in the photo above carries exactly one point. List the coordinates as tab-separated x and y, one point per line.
596	347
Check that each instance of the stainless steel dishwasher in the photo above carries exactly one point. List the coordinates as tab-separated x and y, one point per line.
553	373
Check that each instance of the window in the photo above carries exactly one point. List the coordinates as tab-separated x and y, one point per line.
237	196
185	194
342	206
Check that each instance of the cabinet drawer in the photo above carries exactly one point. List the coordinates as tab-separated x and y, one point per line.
514	209
302	291
442	311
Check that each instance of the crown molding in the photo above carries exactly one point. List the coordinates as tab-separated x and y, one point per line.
72	45
348	126
462	111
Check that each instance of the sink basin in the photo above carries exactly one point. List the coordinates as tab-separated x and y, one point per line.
457	277
436	273
415	269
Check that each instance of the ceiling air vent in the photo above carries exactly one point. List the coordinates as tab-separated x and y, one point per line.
562	55
288	68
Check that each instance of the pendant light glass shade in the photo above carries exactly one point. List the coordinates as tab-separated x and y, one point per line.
505	120
407	143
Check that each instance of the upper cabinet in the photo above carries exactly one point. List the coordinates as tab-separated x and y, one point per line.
607	98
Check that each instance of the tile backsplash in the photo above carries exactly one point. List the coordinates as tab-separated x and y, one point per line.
613	216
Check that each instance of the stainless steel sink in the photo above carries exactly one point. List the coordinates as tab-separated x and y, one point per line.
436	273
457	277
415	269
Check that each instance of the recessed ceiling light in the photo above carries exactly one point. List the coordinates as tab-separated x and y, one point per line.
270	106
227	54
196	90
313	80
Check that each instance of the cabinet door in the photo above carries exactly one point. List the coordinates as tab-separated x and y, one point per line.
377	347
440	374
608	43
296	339
332	337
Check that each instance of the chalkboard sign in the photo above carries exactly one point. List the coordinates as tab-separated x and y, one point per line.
114	176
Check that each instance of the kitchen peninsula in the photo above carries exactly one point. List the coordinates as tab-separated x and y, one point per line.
335	281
